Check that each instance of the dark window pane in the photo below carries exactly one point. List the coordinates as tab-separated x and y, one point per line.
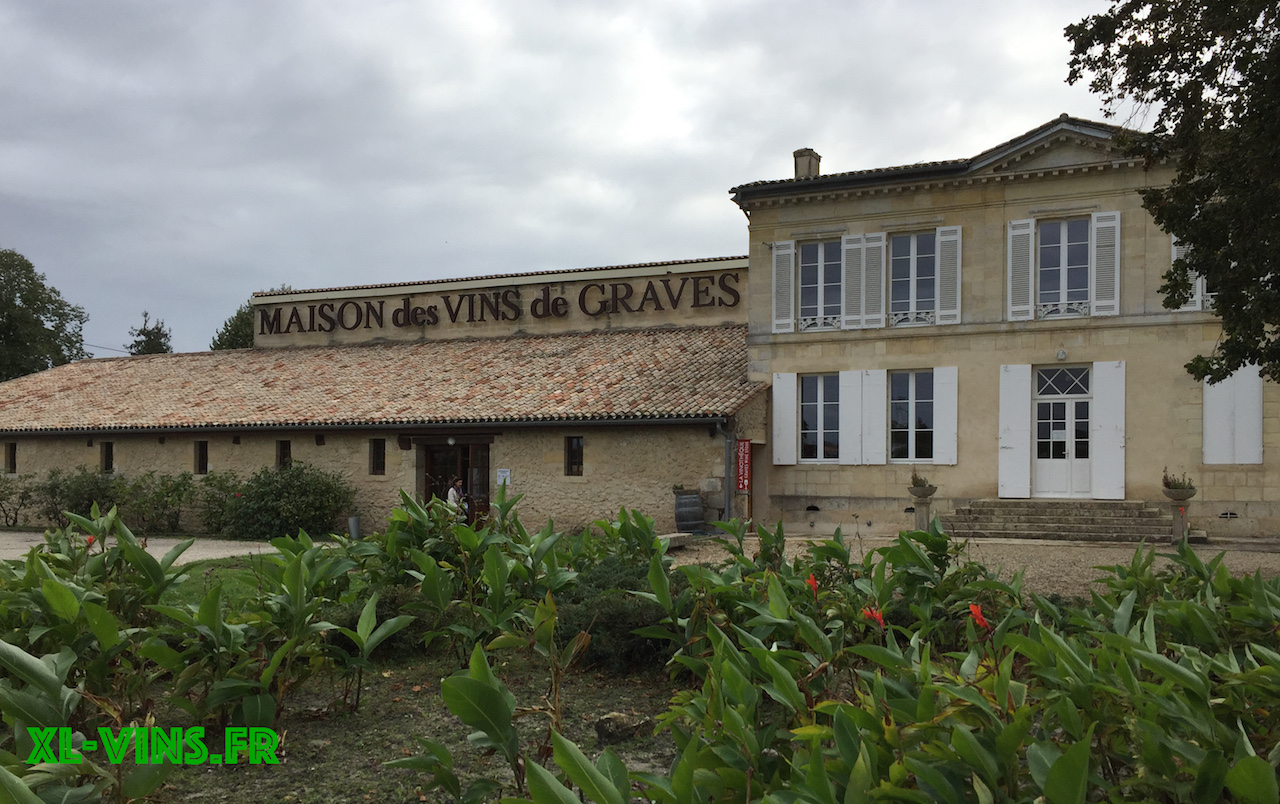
1042	449
808	389
1049	281
924	244
924	415
901	245
1078	254
831	446
924	266
831	416
899	385
831	274
1078	231
831	252
1082	449
900	269
924	385
1059	449
809	254
1077	278
1059	412
809	417
899	416
1042	430
831	388
808	445
1050	234
898	444
924	445
1082	410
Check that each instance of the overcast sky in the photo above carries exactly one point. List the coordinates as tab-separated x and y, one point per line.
176	157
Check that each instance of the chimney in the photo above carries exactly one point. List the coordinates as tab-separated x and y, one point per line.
807	161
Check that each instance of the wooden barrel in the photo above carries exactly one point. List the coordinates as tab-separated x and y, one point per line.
689	511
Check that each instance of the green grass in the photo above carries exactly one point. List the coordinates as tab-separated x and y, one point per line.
236	574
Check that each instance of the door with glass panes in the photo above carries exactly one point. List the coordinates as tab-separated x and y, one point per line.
1061	410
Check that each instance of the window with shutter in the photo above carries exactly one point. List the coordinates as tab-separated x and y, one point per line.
1233	418
1201	298
783	287
784	419
1064	268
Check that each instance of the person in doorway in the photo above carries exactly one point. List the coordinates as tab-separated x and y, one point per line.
458	498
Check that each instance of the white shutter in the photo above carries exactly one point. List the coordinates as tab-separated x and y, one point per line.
1014	463
948	274
945	415
1177	252
784	286
875	417
1233	418
1106	431
851	417
1022	237
1104	263
873	280
786	428
852	296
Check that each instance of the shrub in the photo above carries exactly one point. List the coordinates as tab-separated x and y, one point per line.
76	491
16	494
611	618
154	502
280	502
214	494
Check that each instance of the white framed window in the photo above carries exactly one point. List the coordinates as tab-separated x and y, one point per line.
845	417
1202	297
913	278
1233	418
820	417
843	284
911	416
820	285
1064	267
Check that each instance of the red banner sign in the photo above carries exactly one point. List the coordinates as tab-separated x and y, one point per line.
744	464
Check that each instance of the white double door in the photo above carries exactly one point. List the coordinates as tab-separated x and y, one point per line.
1062	431
1061	407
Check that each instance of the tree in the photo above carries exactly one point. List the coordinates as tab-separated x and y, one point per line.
38	328
237	331
150	339
1210	69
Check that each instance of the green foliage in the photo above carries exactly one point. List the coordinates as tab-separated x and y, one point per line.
154	502
1210	71
236	332
149	338
214	495
277	502
38	328
17	494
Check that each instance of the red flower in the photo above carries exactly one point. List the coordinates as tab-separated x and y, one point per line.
1182	511
975	611
813	584
237	494
89	539
873	614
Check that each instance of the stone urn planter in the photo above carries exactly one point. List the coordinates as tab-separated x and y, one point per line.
1178	503
922	492
1179	495
923	504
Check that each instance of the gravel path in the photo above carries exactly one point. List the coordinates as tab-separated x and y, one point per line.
1049	566
15	544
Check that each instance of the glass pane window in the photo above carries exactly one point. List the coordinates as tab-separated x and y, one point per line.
377	456
911	415
820	417
820	284
913	274
1063	271
573	456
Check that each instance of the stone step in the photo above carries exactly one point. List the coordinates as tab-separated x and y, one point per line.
1041	522
1111	507
1031	517
1197	537
1148	533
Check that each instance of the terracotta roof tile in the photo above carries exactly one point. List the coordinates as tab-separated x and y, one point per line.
625	374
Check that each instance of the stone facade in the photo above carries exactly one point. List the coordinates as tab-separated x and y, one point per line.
1134	350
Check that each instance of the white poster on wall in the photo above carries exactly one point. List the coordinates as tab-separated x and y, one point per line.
504	477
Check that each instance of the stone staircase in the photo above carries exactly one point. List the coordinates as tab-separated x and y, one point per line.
1063	520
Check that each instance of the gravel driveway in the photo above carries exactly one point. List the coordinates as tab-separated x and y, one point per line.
1049	566
15	544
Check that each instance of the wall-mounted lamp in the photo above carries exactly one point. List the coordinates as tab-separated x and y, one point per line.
1062	354
451	441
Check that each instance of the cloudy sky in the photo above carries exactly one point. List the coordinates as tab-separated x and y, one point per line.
176	157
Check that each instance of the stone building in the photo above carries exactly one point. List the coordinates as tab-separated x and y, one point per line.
585	391
992	323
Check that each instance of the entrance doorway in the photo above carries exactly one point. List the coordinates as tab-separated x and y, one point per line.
1061	464
470	462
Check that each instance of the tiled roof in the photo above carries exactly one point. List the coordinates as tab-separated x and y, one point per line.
622	374
698	261
939	169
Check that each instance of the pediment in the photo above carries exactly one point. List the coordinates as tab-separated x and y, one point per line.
1064	145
